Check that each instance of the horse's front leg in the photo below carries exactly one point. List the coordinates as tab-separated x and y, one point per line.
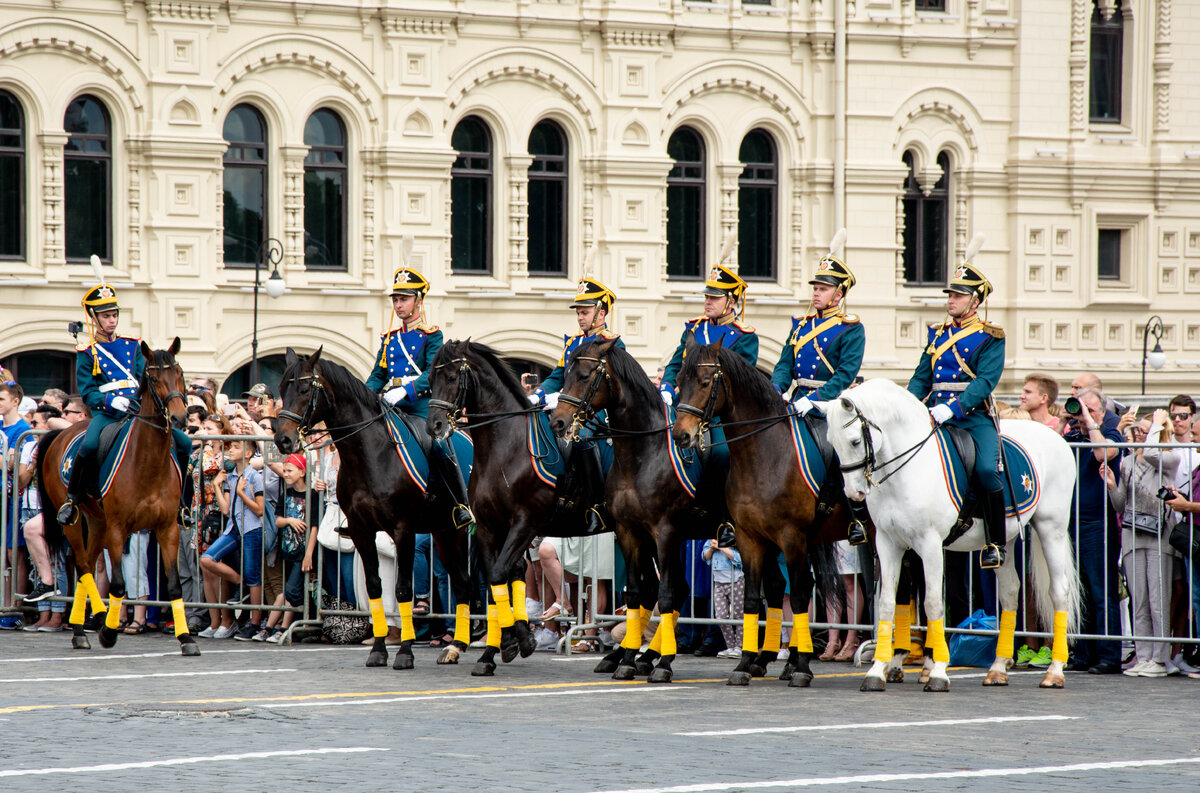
116	590
405	548
507	587
935	610
364	543
168	544
904	618
638	605
754	559
774	587
890	555
800	649
451	548
1009	585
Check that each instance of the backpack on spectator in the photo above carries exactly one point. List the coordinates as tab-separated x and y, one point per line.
343	628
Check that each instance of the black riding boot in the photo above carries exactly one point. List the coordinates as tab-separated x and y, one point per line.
994	529
452	479
68	513
859	516
596	518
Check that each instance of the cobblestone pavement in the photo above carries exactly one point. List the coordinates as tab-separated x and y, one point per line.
312	718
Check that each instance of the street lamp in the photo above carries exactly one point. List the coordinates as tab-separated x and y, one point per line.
270	252
1156	357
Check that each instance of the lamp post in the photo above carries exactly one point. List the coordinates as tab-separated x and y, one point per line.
1156	357
270	252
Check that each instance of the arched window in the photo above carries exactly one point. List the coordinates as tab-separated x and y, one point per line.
270	371
685	204
87	180
40	370
757	191
1108	38
325	191
245	184
471	198
925	226
12	178
548	199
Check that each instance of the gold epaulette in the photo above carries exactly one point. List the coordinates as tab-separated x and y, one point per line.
743	327
608	334
850	319
995	331
82	347
425	327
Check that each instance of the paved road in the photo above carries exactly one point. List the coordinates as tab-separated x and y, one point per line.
312	718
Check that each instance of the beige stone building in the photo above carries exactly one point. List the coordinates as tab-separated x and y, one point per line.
510	136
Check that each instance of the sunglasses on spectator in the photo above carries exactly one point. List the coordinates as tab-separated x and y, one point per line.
72	412
9	382
195	387
1181	416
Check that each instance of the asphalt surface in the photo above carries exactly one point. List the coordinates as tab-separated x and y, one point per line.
247	716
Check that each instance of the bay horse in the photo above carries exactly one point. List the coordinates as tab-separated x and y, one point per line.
143	495
654	511
375	492
773	508
892	458
511	501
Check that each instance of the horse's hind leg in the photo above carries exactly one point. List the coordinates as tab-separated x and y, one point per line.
889	574
168	545
935	610
1009	591
453	552
798	670
116	590
365	545
405	548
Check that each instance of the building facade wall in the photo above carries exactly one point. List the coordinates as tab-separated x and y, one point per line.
999	85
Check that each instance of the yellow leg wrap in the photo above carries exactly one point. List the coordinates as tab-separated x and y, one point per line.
462	623
750	633
883	644
656	640
179	616
379	626
633	629
774	630
1058	652
89	586
407	632
668	633
493	629
935	640
78	606
504	610
113	620
904	617
518	601
801	635
1008	626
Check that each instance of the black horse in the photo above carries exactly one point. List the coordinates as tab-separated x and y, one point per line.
375	492
653	510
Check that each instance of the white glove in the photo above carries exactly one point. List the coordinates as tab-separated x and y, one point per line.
667	398
120	403
535	399
552	401
395	395
941	413
803	405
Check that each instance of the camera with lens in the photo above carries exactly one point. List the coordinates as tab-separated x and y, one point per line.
1073	406
1166	493
74	328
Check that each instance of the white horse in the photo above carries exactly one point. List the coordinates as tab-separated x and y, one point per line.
882	435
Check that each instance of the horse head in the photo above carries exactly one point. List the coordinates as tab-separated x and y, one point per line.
164	381
700	394
587	386
449	383
856	421
300	390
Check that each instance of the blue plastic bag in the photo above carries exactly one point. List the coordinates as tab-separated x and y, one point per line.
970	650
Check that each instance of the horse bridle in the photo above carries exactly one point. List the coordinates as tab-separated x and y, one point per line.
584	413
868	463
161	404
456	409
705	415
302	422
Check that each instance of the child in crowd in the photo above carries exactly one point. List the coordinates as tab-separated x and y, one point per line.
297	540
729	584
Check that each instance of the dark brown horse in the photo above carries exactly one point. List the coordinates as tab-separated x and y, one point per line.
144	495
653	511
772	507
376	493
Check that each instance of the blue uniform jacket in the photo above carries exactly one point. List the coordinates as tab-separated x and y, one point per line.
99	390
737	337
394	368
554	381
832	356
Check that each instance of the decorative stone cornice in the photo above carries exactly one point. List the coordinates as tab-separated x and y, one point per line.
180	10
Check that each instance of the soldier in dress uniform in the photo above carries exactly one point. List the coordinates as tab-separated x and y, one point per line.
959	369
824	351
593	303
401	375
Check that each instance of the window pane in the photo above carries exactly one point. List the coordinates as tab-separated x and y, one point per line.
547	138
912	222
85	197
324	128
12	178
86	116
1106	67
756	232
40	370
324	221
685	230
1108	258
244	124
547	230
469	223
470	136
245	196
933	242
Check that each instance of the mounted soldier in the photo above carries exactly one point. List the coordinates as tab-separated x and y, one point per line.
593	303
401	372
825	350
958	370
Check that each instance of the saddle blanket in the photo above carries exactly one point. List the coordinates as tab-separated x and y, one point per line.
113	446
808	456
686	463
412	457
1021	474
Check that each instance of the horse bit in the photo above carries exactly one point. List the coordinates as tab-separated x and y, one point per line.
584	414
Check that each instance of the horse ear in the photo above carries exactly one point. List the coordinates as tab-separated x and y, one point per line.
147	353
290	357
823	407
605	346
175	347
720	343
847	405
316	356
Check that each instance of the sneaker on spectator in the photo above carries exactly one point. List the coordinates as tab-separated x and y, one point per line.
1152	669
40	592
11	623
246	634
546	639
208	633
729	653
1024	656
533	608
1182	665
1172	669
1041	659
783	654
606	638
93	623
263	635
51	628
1136	669
225	631
276	637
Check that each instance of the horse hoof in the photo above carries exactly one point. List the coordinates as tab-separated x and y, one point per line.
80	643
643	668
738	679
788	671
938	684
189	648
605	667
895	675
873	683
661	674
377	658
527	645
509	651
924	678
624	673
800	680
1052	681
449	655
995	679
483	669
403	661
108	637
757	671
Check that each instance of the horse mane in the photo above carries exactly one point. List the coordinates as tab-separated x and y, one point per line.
632	376
886	402
507	378
746	380
341	379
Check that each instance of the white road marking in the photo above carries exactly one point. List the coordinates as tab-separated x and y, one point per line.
173	653
514	695
138	677
877	725
863	779
87	769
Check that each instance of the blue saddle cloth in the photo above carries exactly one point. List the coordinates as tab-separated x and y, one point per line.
412	457
808	456
114	442
1021	474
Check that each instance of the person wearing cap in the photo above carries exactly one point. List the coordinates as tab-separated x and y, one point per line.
401	375
593	303
824	353
259	394
958	370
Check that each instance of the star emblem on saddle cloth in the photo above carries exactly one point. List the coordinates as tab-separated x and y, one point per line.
68	463
1027	483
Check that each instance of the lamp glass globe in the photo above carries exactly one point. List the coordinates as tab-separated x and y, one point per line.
275	285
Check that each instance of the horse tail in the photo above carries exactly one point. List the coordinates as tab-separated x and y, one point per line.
53	531
824	560
1044	579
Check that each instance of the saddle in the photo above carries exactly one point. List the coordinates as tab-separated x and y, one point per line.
831	490
971	506
416	429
